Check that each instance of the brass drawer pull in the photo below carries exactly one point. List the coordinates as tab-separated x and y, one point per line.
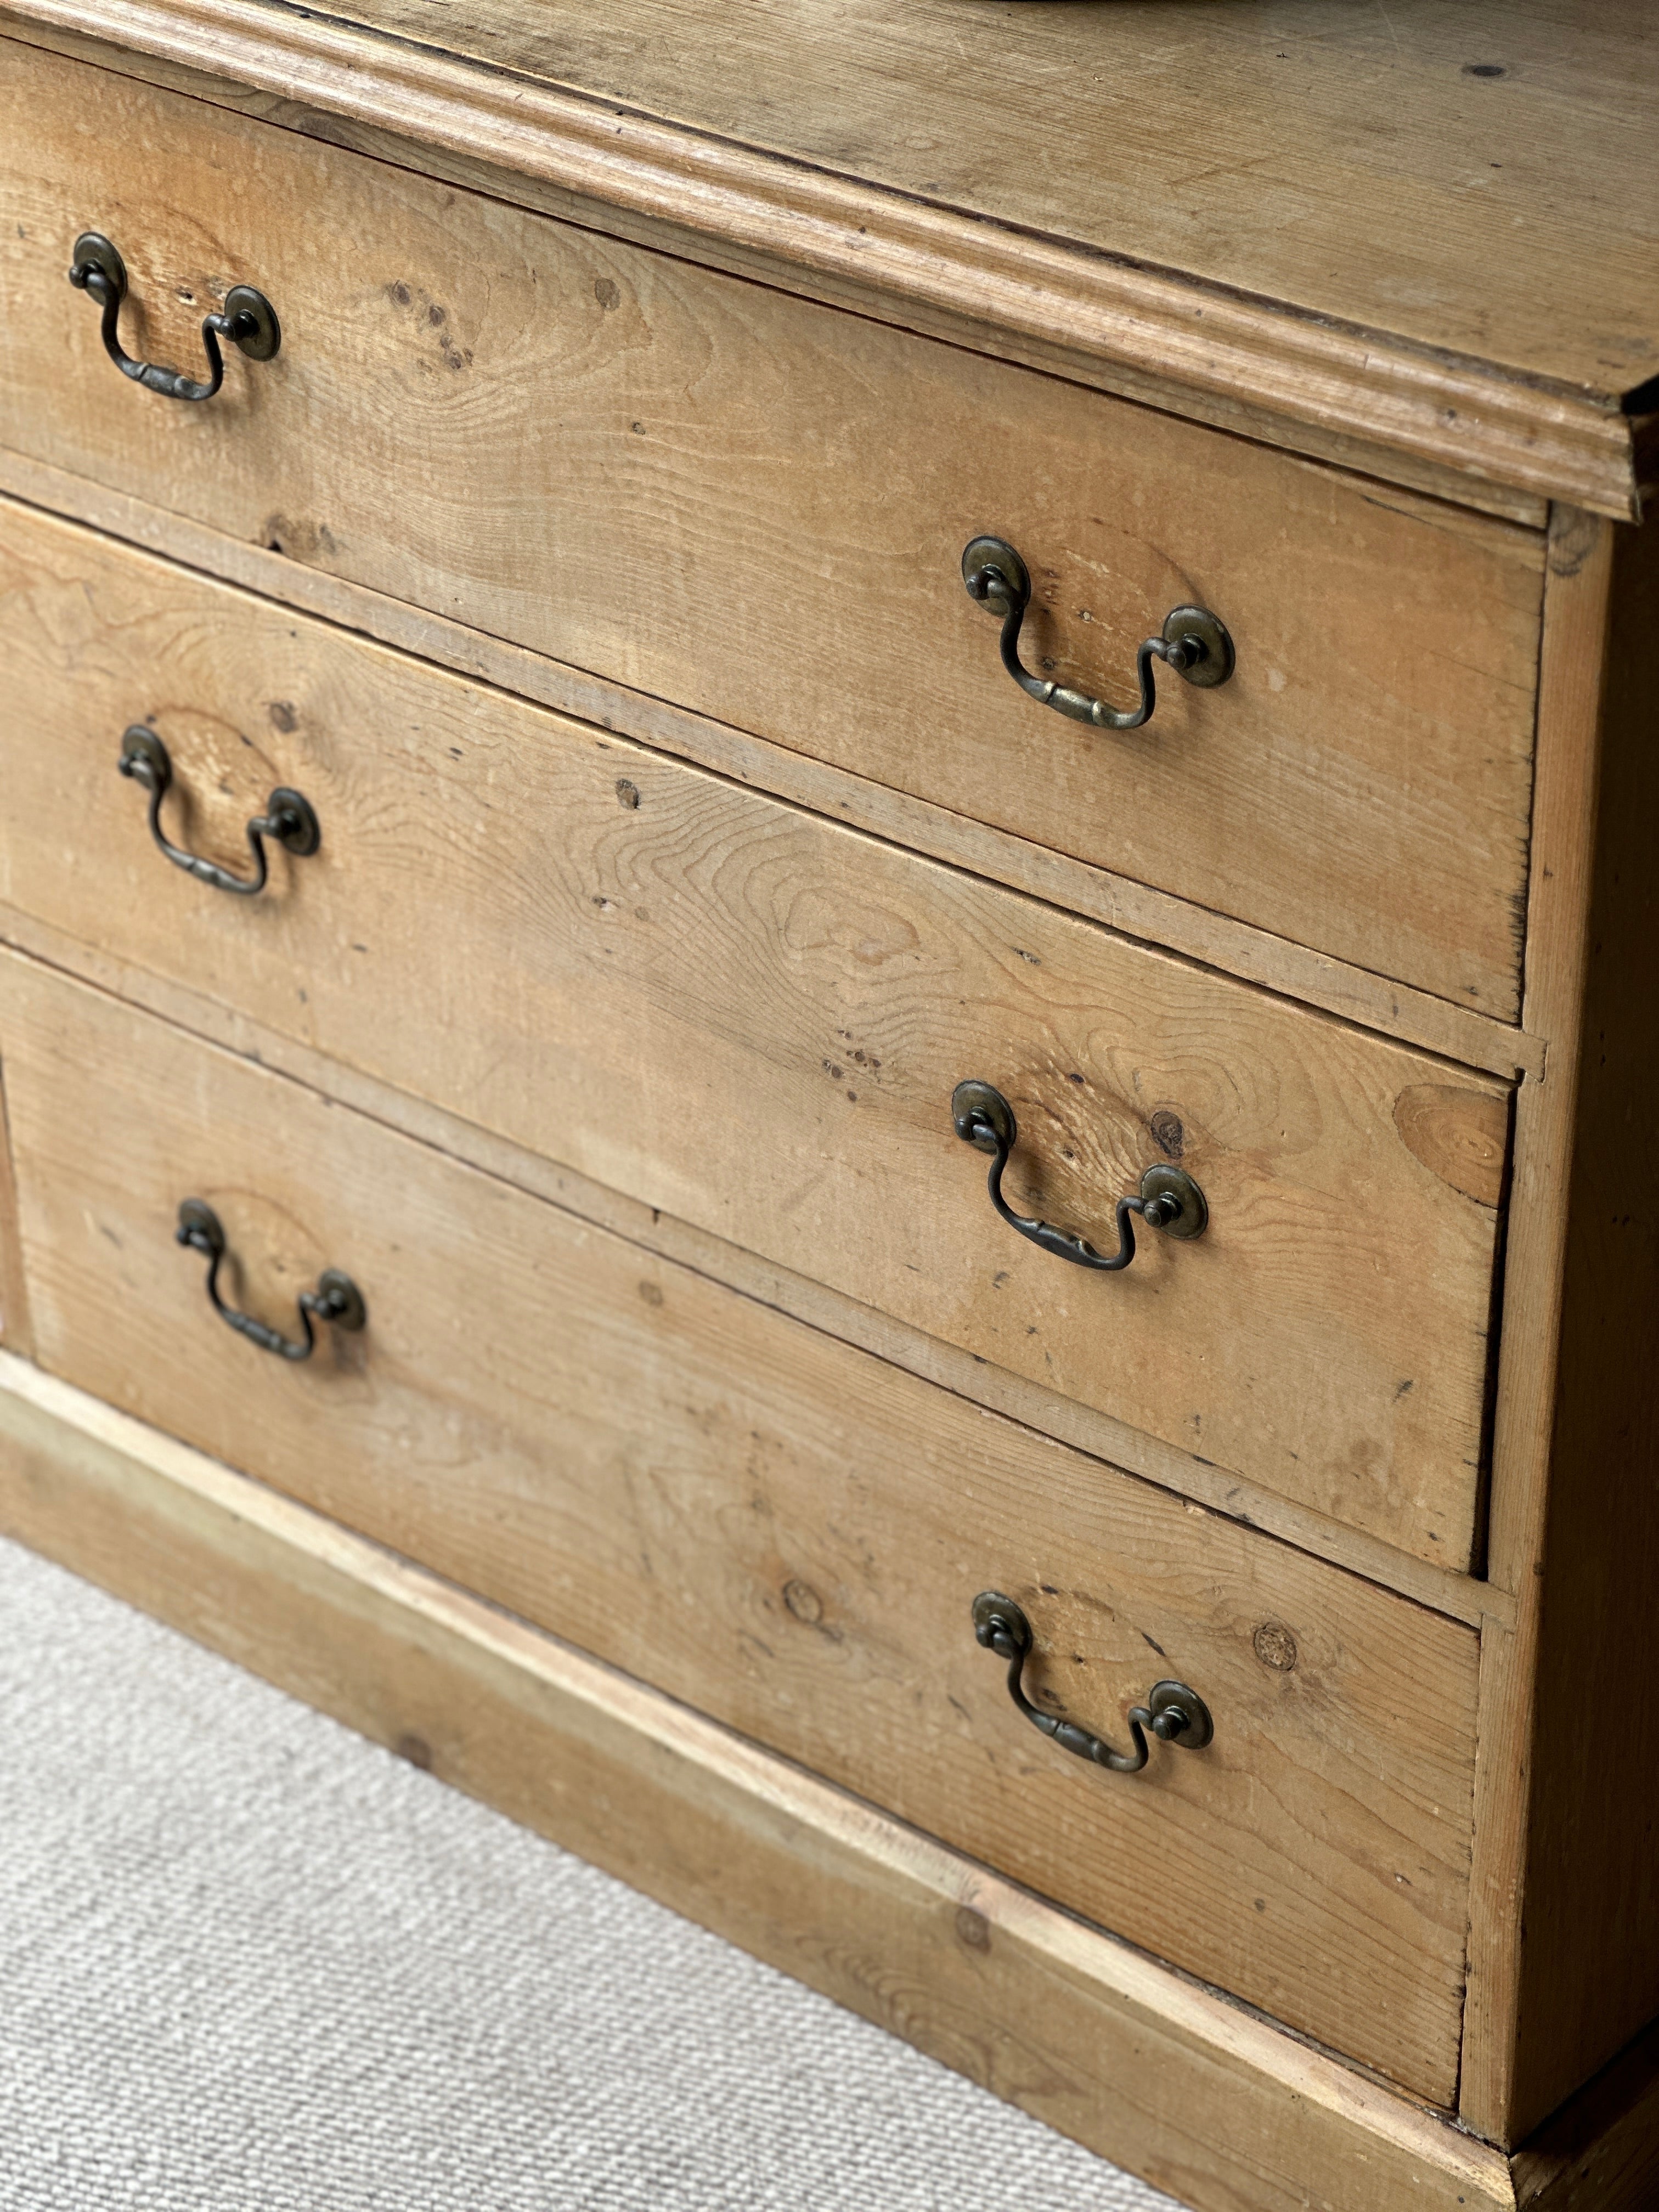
336	1298
1174	1713
289	818
248	320
1168	1198
1194	642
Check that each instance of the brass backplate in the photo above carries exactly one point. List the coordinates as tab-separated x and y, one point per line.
976	1109
93	247
996	553
1200	1728
1162	1181
244	304
1218	658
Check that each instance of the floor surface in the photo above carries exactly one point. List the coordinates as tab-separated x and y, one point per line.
249	1963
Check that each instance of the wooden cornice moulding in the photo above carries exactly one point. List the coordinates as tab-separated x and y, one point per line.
1456	413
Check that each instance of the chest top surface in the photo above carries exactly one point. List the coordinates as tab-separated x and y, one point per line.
1475	178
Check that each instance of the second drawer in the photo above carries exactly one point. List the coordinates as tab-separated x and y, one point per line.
783	1531
755	1019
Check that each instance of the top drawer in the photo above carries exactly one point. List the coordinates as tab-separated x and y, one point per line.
729	497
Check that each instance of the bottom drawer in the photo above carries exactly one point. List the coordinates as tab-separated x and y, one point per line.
782	1530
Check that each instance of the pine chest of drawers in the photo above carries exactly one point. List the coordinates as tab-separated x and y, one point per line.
1008	1353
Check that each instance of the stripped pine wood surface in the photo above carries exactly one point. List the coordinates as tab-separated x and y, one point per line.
679	973
755	1019
782	1531
1387	360
757	506
1133	910
1088	2033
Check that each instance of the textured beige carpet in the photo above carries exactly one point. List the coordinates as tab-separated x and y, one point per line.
249	1963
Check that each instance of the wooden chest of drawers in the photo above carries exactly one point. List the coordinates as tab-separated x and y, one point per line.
616	864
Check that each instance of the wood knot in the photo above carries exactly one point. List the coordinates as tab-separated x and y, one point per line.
1275	1646
1167	1133
803	1601
973	1928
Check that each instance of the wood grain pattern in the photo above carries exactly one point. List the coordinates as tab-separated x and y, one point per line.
757	507
1570	715
1457	1595
15	1332
1563	1926
1163	2077
1535	432
1589	1949
838	283
754	1020
1339	168
1130	908
780	1530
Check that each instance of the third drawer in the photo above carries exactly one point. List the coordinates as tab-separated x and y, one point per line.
783	1531
755	1019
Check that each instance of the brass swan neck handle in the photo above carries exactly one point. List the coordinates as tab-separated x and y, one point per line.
336	1298
288	818
247	321
1168	1198
1172	1712
1193	642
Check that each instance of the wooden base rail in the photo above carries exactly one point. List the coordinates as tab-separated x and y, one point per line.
1169	2080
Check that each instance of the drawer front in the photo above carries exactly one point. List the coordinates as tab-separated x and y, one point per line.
755	1019
757	507
784	1531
